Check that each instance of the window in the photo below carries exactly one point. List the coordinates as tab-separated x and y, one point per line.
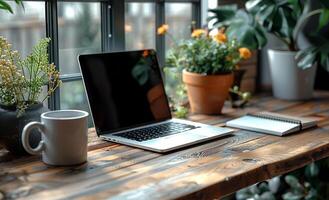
179	19
79	31
90	26
139	25
25	28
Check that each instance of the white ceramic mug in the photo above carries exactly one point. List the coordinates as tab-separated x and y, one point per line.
64	137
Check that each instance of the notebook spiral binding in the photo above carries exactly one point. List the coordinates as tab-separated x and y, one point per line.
278	118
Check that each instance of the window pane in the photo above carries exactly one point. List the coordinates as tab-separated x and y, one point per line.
73	96
212	4
79	31
179	19
24	28
140	25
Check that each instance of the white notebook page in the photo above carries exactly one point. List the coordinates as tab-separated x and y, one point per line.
261	124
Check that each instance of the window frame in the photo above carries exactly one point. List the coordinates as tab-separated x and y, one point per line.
112	31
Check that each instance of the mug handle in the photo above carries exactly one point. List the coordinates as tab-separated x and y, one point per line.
26	134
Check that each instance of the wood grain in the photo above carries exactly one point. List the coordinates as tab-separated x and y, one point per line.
205	171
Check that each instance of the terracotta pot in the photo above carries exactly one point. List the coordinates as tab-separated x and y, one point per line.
207	93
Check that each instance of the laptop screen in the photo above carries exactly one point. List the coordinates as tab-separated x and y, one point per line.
124	89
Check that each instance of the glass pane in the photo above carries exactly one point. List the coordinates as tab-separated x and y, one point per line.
140	25
79	31
73	96
212	3
179	19
24	28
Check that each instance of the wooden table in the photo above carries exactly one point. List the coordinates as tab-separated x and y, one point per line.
205	171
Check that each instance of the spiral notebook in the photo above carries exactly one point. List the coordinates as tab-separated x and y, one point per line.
272	123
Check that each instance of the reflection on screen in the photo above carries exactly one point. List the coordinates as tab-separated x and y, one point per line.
124	89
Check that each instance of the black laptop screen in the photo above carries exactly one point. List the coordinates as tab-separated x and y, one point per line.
124	89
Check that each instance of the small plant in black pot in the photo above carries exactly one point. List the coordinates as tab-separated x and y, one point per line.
21	84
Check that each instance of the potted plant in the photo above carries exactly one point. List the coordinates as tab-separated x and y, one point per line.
207	63
292	69
21	83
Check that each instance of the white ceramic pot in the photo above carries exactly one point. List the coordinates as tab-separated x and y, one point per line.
288	80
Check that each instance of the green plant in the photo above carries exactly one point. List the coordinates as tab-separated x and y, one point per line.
240	25
21	80
282	18
5	6
244	96
308	183
204	54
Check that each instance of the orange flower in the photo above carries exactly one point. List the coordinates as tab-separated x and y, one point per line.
145	53
198	32
245	53
220	37
163	29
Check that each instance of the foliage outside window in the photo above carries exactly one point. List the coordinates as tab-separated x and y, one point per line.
284	19
5	6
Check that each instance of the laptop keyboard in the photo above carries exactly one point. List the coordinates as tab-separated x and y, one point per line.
157	131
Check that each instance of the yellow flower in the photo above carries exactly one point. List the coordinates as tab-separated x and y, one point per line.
198	32
245	53
220	37
163	29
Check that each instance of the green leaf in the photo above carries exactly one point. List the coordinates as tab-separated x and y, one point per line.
266	13
260	36
294	183
253	6
284	29
312	195
20	2
324	19
292	196
247	31
307	61
267	196
244	34
274	184
5	6
296	7
243	194
324	60
312	170
223	13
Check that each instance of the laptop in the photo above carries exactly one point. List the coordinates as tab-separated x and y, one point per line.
129	105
